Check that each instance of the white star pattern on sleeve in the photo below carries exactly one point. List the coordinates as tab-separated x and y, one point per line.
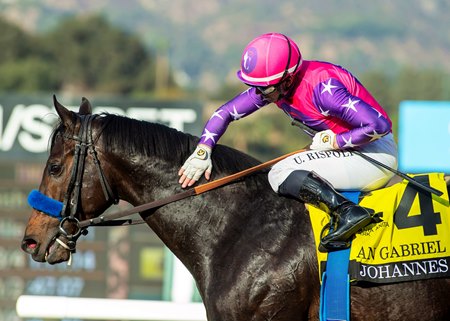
217	114
247	92
327	87
379	114
348	143
351	104
374	136
324	112
235	114
208	135
258	106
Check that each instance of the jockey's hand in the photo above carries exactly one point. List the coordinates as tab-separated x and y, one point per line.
324	140
197	164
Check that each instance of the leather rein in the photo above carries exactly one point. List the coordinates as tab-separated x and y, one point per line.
112	218
85	145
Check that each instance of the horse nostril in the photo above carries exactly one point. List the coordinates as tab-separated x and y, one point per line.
29	245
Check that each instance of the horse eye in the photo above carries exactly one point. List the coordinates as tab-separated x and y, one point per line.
54	169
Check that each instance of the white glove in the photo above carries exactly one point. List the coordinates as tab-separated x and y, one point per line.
324	140
197	164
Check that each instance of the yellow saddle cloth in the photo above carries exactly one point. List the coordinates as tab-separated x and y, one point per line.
412	240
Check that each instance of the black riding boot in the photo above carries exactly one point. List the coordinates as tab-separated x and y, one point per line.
346	217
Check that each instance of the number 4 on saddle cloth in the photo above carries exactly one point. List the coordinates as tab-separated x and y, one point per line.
411	241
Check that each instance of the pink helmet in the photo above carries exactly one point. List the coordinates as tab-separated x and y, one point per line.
269	58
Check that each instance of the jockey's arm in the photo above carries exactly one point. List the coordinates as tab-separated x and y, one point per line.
239	107
367	124
200	161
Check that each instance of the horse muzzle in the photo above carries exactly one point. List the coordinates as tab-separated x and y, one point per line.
54	251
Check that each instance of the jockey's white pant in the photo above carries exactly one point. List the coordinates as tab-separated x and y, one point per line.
345	170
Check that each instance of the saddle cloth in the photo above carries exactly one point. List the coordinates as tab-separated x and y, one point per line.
411	241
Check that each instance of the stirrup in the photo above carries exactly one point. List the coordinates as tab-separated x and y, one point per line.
331	245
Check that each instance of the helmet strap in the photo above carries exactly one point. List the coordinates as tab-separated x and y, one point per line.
286	69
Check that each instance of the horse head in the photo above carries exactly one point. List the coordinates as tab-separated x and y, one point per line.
58	206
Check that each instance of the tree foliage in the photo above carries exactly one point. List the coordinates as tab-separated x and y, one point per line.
14	43
83	54
92	55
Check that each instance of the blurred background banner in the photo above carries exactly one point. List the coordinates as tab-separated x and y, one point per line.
26	121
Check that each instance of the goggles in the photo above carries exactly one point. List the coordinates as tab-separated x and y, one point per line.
266	90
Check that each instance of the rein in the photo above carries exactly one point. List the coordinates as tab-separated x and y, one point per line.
111	218
66	211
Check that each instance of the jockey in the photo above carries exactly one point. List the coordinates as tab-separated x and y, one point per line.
329	100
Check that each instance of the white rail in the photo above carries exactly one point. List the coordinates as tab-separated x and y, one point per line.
52	307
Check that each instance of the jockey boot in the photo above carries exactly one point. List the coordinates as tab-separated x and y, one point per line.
347	218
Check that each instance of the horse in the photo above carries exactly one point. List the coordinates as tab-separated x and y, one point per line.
250	251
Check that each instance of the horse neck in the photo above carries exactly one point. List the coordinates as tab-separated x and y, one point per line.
143	158
186	226
141	179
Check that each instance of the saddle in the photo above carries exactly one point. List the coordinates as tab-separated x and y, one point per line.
410	240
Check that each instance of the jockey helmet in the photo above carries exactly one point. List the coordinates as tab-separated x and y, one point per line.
269	58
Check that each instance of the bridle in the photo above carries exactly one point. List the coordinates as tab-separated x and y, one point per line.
70	205
66	211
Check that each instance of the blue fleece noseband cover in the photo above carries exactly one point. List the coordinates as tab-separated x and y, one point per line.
45	204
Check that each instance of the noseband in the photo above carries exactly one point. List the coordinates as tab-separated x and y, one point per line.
66	211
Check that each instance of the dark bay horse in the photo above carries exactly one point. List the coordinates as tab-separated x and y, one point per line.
250	251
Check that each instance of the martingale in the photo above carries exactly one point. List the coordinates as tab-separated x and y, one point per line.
410	241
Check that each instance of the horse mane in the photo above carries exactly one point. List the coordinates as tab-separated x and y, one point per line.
157	140
132	136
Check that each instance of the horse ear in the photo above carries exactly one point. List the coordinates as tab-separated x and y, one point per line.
85	107
65	114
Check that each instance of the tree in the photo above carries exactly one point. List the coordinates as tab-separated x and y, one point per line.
91	55
22	65
80	54
27	75
15	44
413	84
